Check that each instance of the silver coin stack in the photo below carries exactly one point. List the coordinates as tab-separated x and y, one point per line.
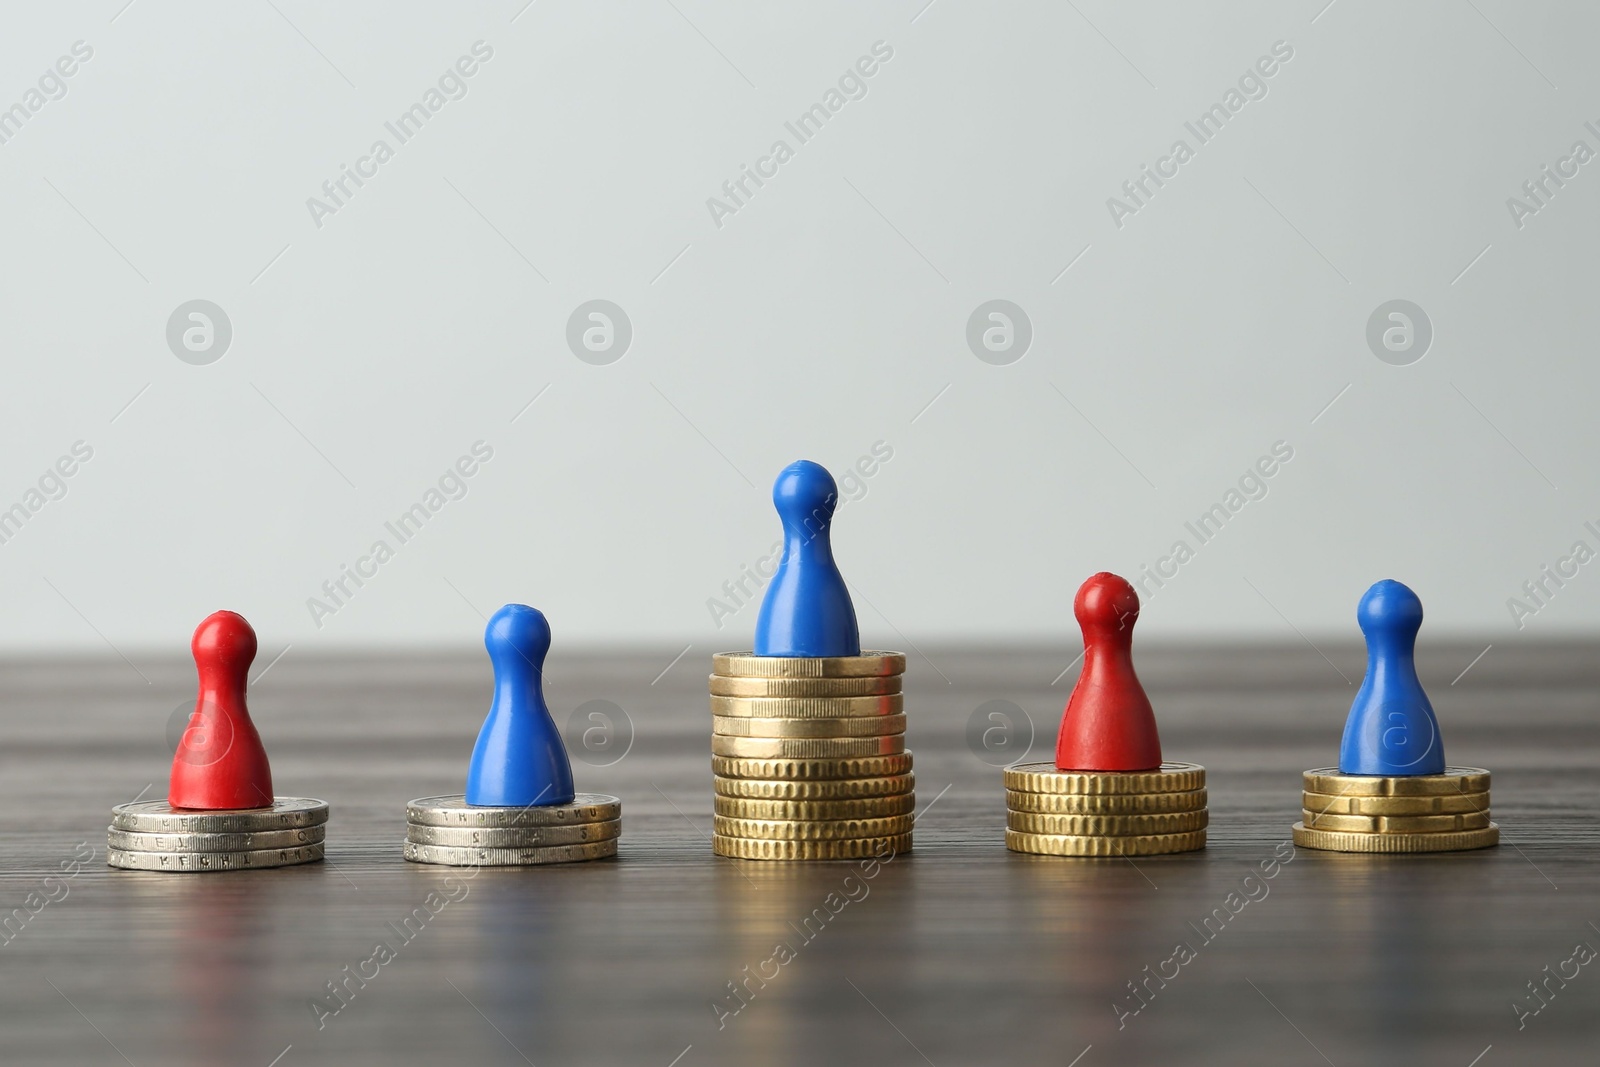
449	831
152	835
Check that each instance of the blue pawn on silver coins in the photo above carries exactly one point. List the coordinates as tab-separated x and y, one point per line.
1391	729
520	807
807	609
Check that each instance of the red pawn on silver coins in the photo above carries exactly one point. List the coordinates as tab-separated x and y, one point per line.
220	813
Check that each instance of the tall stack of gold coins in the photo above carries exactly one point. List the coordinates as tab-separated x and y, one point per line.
450	832
809	757
1446	812
1052	812
152	835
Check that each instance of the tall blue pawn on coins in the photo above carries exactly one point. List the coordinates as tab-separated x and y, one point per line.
807	609
520	808
1391	729
519	758
806	713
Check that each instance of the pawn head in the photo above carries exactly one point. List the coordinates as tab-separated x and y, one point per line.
1106	604
805	495
1389	607
518	634
224	639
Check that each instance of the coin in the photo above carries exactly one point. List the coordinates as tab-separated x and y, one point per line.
816	810
1395	824
267	839
159	817
1044	778
1031	822
869	664
805	687
1133	845
449	856
830	830
806	770
809	707
513	836
1340	841
1453	804
745	848
1453	780
807	747
454	810
196	862
860	726
834	789
1105	803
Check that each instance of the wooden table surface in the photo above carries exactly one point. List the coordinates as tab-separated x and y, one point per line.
957	953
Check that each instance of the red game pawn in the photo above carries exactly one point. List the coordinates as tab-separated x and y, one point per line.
220	763
1108	756
1108	724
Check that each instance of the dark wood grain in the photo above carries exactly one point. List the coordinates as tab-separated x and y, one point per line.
958	953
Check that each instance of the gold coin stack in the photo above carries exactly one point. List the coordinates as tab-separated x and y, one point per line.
1446	812
809	757
1052	812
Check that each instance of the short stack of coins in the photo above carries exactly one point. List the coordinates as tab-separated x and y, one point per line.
1052	812
152	835
449	831
809	757
1446	812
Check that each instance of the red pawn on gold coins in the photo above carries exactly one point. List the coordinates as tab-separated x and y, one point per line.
1108	793
220	813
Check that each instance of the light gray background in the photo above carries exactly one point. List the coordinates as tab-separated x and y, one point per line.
829	314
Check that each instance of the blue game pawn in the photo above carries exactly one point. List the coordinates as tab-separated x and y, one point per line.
519	759
807	609
1391	729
